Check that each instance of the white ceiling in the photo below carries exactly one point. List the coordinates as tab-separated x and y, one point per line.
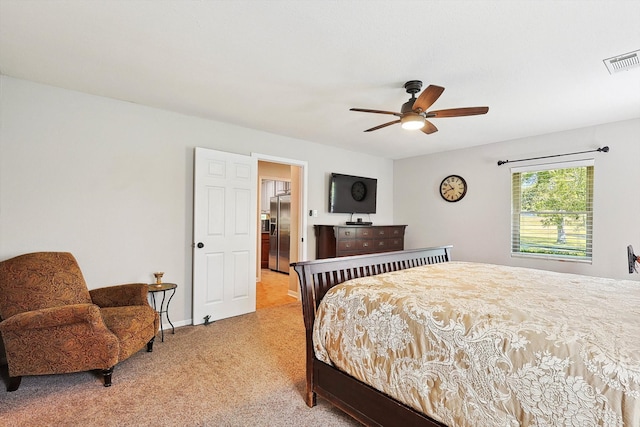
295	68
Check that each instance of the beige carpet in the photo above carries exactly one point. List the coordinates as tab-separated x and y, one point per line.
243	371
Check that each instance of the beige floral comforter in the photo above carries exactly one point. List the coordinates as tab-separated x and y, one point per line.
486	345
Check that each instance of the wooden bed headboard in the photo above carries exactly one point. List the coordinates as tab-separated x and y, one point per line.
317	277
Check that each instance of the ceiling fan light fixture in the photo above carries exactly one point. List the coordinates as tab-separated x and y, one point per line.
412	121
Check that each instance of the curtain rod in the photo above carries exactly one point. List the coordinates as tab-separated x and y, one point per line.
604	149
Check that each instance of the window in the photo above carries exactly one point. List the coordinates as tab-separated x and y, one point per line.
552	210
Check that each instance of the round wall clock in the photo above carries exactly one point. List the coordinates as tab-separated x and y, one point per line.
453	188
358	191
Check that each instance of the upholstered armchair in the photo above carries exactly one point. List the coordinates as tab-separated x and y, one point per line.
52	324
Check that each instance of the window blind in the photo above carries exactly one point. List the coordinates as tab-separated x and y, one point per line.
552	210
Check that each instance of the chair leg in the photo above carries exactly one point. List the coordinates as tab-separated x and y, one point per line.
150	344
14	383
106	373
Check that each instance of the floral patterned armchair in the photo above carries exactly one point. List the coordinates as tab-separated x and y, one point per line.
52	324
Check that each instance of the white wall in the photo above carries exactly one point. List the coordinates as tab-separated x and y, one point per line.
111	182
479	225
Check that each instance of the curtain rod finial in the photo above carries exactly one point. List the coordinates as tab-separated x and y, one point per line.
604	149
502	162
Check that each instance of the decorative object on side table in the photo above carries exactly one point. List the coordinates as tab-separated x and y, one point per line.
158	276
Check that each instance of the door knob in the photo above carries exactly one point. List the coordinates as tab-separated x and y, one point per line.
200	245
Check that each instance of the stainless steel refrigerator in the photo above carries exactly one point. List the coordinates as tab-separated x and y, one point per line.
279	237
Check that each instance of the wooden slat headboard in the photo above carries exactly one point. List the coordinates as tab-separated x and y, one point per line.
317	277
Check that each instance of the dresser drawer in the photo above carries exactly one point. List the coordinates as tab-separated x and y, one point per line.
390	231
357	245
384	245
347	245
365	232
344	233
354	232
365	245
396	244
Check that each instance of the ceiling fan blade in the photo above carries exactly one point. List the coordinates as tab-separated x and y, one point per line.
383	126
364	110
458	112
429	128
427	97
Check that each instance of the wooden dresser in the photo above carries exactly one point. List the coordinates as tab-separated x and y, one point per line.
343	240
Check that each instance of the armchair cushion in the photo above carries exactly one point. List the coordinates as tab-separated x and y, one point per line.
133	325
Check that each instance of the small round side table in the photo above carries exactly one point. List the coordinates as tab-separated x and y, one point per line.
164	308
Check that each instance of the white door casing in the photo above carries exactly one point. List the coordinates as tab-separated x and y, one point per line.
224	235
302	195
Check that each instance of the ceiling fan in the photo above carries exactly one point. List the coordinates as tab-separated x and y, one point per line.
414	114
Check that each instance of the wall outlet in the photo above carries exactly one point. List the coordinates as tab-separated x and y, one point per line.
315	213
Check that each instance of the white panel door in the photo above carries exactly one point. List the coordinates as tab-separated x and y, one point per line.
224	235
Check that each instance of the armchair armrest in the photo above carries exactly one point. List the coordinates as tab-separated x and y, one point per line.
54	316
120	295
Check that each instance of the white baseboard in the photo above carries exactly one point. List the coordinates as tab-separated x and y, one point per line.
293	294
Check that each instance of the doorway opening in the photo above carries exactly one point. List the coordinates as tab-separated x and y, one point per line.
278	285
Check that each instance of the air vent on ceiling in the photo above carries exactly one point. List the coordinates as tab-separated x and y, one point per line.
623	62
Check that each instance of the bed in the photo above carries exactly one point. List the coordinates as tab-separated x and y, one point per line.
496	352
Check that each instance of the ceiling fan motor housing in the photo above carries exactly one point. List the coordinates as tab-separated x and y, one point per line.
412	87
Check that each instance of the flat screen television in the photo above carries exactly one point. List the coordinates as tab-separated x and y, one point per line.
352	194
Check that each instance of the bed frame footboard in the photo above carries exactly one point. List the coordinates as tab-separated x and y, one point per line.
362	402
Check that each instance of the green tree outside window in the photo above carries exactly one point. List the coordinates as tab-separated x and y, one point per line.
553	212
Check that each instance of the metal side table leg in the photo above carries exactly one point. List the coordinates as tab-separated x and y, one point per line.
164	303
